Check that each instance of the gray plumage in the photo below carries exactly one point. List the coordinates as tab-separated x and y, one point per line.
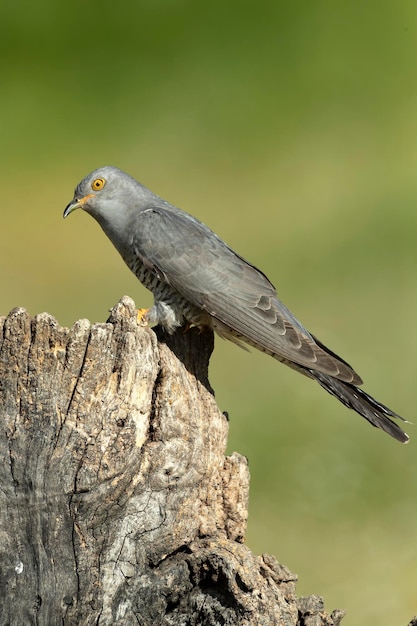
197	279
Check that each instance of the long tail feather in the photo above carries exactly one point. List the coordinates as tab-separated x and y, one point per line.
376	413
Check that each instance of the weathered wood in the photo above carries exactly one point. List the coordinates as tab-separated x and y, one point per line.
117	503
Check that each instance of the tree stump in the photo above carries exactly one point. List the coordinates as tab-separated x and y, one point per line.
117	503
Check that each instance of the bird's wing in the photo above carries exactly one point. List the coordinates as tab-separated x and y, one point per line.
188	256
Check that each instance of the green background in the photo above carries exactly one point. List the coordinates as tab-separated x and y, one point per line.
291	130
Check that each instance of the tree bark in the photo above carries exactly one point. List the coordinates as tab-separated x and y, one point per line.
117	502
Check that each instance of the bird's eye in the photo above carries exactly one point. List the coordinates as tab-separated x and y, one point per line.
98	184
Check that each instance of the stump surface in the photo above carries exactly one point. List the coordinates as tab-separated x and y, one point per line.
117	502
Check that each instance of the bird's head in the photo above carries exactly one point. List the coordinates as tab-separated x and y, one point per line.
102	190
113	198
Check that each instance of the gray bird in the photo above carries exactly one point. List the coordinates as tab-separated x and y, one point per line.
196	279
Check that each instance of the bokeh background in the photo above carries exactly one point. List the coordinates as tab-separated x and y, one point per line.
290	129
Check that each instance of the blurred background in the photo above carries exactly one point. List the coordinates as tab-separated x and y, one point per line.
291	130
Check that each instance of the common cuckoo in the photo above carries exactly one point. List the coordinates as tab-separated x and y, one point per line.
196	279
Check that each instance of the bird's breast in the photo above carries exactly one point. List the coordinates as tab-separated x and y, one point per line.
182	310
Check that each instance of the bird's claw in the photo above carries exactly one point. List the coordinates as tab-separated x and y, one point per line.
142	317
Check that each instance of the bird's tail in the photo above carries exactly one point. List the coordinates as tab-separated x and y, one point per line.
376	413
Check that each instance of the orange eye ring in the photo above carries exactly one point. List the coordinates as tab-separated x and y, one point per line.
98	184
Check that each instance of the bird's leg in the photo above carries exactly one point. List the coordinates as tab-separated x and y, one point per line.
149	317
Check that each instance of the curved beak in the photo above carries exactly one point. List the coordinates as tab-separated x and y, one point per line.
77	204
74	204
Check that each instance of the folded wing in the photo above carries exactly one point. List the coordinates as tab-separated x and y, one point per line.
203	269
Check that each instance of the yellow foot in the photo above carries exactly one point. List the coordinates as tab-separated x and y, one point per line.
141	317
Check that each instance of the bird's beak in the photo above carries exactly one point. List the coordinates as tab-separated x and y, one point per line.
77	204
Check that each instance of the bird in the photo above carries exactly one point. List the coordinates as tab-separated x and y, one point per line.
198	280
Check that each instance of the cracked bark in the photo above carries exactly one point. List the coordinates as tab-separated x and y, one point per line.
117	503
